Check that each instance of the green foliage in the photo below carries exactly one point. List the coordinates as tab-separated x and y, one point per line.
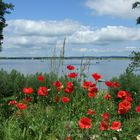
129	82
46	119
135	62
5	8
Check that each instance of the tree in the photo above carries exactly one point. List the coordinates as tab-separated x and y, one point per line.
136	5
5	8
135	56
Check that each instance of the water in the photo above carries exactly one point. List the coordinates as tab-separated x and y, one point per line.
107	68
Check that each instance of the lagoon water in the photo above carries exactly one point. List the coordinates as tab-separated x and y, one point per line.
107	68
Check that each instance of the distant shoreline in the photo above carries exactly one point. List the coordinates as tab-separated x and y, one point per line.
74	57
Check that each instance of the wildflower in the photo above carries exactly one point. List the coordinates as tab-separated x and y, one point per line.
43	91
40	78
70	67
91	112
91	94
104	125
57	99
86	84
96	76
116	84
124	107
27	99
115	125
138	109
108	83
12	102
68	138
121	94
85	123
68	90
72	75
69	84
28	90
65	99
21	106
58	84
107	96
105	116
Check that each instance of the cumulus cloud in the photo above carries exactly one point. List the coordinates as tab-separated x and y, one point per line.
44	28
115	8
106	35
39	35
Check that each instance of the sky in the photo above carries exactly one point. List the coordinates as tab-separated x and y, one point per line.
91	28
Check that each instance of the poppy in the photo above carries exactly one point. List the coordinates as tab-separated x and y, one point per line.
72	75
43	91
115	125
108	83
138	109
104	125
28	90
21	106
85	123
65	99
86	84
70	67
40	78
107	96
96	76
91	112
12	102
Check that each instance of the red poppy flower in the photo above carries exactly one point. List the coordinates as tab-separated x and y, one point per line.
68	138
27	99
104	125
138	109
121	94
105	116
72	75
65	99
116	84
57	99
91	112
40	78
12	102
28	90
91	94
108	83
85	123
70	67
86	84
69	84
21	106
115	125
107	96
68	90
124	107
43	91
96	76
92	89
58	84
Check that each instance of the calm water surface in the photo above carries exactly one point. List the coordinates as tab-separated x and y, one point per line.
107	68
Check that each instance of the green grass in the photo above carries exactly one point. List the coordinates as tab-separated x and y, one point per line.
45	119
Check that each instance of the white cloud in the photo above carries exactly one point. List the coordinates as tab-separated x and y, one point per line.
115	8
106	35
44	28
35	38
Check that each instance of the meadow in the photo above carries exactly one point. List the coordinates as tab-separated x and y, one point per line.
47	107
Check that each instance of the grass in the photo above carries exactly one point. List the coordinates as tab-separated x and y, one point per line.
48	119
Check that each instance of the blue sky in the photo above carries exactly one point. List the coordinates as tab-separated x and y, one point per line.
91	27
